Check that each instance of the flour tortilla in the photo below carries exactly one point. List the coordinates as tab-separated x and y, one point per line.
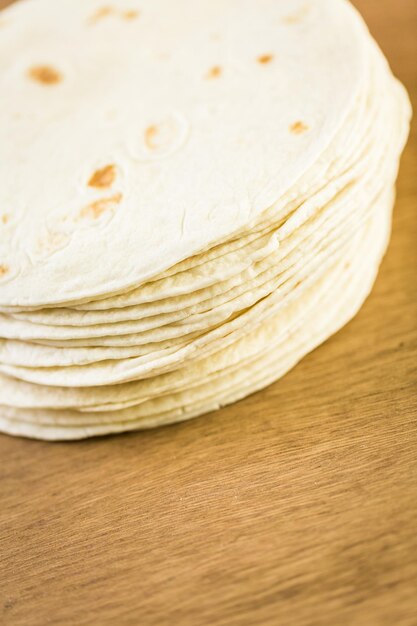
133	312
235	228
310	184
208	177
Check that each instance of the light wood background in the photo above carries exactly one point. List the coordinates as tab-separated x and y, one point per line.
295	507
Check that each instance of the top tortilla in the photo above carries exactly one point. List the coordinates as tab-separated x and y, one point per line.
137	134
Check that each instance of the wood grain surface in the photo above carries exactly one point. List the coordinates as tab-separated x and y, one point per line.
295	507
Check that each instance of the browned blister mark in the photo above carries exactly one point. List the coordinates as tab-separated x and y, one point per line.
130	15
103	178
295	18
163	137
5	219
106	11
265	58
4	269
298	128
150	136
214	72
100	14
96	209
44	74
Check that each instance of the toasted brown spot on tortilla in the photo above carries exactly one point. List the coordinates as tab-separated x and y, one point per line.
44	74
265	58
163	136
4	219
96	209
150	136
103	178
106	11
100	14
215	72
291	19
130	15
3	270
298	127
295	18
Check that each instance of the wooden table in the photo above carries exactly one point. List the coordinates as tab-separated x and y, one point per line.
295	507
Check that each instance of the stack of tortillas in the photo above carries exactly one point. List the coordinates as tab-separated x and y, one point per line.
193	196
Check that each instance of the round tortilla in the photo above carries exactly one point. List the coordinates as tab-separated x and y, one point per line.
194	157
